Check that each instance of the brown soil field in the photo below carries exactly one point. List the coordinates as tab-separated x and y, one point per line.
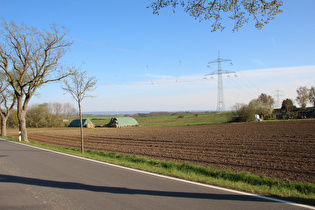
282	149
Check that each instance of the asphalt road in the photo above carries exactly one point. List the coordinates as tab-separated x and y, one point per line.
32	178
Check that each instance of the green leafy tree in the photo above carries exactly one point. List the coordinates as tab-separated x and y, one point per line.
287	105
248	113
245	112
261	11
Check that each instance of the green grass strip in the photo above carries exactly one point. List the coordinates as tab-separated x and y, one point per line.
259	184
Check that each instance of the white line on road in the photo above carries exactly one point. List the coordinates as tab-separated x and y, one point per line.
168	177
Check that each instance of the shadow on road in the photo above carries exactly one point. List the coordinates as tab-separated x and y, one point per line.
121	190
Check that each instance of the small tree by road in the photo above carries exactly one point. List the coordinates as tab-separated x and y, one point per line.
79	85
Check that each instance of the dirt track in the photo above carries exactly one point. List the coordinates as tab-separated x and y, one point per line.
282	149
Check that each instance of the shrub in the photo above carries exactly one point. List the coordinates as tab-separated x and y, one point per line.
243	113
40	116
13	121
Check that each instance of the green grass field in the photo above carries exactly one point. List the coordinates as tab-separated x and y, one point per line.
170	120
183	120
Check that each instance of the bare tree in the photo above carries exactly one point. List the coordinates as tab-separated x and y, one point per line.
30	58
302	96
266	99
69	109
262	11
55	108
312	95
7	103
79	85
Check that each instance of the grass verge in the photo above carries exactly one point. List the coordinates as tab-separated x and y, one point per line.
244	181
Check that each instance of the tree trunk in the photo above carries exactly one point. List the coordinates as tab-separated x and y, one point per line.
81	128
22	125
3	126
22	122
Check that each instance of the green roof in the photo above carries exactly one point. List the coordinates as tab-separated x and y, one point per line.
76	123
123	121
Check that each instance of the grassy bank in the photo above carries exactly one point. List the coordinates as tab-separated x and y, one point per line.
293	191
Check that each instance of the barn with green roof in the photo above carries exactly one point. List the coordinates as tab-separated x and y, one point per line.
85	122
118	122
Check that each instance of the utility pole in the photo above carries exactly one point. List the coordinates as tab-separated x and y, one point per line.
219	72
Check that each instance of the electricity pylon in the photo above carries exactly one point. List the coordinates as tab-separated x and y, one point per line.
219	72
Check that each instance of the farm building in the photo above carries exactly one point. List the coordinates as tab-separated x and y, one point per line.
307	114
282	115
117	122
85	122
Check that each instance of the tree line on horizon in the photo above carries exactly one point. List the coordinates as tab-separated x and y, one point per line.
263	105
44	115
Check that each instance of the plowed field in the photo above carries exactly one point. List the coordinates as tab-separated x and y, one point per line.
284	149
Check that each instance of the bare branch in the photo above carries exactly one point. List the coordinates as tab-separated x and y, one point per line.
79	85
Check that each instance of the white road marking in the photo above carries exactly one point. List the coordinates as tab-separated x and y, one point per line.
168	177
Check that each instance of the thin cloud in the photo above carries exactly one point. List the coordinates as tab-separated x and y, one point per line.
192	92
258	61
273	41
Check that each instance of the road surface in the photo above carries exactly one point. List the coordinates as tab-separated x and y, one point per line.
33	178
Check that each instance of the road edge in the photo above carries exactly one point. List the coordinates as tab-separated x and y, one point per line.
167	177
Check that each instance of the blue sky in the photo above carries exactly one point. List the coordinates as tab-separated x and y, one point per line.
146	62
